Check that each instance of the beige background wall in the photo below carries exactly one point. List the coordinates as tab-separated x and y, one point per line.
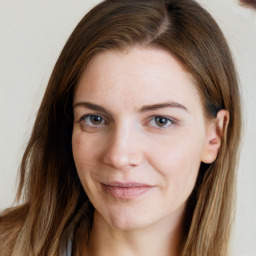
32	34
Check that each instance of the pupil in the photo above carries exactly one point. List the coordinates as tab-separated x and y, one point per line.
96	119
161	121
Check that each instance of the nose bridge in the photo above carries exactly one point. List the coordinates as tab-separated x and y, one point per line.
124	149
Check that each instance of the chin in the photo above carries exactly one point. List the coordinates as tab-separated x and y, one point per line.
129	220
128	224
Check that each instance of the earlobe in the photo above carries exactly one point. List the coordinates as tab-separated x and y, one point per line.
216	129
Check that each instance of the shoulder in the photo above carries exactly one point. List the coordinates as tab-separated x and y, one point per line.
68	251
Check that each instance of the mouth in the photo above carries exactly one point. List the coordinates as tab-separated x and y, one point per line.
127	190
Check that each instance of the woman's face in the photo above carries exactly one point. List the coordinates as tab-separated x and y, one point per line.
139	136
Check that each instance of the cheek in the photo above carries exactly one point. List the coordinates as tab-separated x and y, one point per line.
182	170
178	162
83	155
85	158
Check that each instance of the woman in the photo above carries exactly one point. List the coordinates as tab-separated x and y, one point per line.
134	147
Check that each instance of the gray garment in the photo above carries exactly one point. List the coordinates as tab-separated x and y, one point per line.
68	251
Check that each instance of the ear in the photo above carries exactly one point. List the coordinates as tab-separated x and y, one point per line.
215	130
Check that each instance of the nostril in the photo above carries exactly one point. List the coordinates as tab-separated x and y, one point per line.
123	151
121	161
123	158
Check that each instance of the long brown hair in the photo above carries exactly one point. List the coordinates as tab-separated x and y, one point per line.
54	203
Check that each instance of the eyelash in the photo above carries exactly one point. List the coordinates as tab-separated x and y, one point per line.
169	120
82	120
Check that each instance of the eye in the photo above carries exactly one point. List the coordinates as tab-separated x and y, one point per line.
92	120
161	122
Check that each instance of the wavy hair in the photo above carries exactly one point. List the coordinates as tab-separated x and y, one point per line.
54	204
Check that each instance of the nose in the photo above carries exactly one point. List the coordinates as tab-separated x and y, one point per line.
124	150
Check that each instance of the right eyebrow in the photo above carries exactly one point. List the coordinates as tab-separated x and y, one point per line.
96	107
92	107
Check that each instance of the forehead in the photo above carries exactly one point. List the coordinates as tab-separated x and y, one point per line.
146	75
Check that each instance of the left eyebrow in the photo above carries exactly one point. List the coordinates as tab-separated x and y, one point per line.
163	105
145	108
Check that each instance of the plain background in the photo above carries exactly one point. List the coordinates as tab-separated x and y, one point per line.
32	34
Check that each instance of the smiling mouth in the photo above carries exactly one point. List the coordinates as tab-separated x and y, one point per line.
126	190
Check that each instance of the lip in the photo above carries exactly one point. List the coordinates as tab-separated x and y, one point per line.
127	190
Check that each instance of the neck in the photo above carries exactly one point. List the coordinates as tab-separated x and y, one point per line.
162	238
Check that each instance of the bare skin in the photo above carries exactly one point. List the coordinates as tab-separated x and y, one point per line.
150	241
139	137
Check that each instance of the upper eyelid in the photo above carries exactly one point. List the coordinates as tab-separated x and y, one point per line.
146	109
91	126
92	114
103	114
150	118
172	119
